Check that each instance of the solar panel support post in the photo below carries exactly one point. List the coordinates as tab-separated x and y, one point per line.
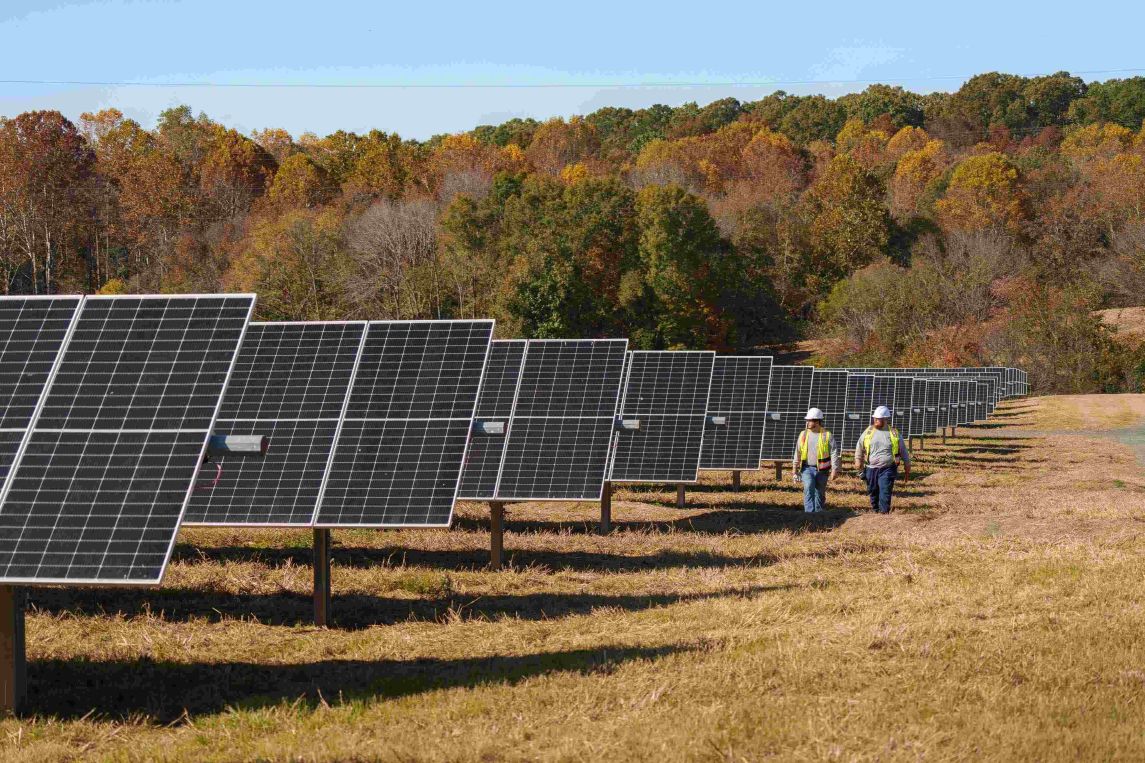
606	508
681	495
778	470
13	666
735	480
322	577
496	534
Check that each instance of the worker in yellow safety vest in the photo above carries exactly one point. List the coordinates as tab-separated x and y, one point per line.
877	455
816	459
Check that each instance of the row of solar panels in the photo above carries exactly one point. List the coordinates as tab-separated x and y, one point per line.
108	405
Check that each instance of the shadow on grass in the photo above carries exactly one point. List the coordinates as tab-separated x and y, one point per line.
167	692
355	611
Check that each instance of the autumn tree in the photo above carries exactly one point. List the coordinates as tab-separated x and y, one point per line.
984	193
46	185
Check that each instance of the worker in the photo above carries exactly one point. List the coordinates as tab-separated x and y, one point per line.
817	457
877	455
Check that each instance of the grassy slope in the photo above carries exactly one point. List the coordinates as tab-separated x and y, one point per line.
998	614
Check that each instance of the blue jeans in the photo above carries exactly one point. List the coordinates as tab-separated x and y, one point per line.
814	489
880	486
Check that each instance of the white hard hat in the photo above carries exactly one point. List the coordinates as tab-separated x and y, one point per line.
813	414
882	412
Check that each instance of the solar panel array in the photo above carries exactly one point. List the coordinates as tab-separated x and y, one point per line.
667	392
560	416
739	395
98	490
787	404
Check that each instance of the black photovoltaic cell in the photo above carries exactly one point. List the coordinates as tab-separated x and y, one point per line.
289	383
494	403
100	488
860	404
902	408
829	394
739	394
397	461
561	431
787	404
668	393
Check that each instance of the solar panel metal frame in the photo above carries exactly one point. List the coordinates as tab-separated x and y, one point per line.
624	400
334	440
751	463
796	405
127	582
607	455
318	523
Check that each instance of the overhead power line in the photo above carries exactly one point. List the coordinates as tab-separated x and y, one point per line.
525	85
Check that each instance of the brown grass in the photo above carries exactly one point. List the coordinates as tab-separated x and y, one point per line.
1128	322
997	614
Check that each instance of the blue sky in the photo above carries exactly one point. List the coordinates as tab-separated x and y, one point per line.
463	64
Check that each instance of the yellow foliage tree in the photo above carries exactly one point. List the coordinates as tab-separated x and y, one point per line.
1096	140
915	171
985	193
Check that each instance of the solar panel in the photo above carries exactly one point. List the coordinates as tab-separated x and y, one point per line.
561	430
398	456
902	407
667	392
32	332
948	402
829	394
930	414
884	393
494	404
97	493
290	383
787	404
964	402
860	404
739	395
917	407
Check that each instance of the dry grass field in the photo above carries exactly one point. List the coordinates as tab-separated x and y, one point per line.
999	613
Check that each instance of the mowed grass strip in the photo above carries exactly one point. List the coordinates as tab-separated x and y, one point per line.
996	615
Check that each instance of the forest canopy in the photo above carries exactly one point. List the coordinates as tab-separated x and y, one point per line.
982	226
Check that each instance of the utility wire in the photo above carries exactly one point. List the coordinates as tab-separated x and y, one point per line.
523	85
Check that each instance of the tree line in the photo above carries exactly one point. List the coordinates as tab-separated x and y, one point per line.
982	226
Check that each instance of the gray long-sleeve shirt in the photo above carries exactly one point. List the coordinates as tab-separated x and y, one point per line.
881	453
813	448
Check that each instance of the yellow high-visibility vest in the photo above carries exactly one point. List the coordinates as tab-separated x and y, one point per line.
870	433
823	449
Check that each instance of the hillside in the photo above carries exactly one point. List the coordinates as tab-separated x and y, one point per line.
732	629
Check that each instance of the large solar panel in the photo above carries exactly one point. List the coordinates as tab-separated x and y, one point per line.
948	403
884	393
917	407
829	394
667	392
99	489
561	430
290	383
739	395
860	404
32	333
787	404
398	456
902	407
494	405
933	401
